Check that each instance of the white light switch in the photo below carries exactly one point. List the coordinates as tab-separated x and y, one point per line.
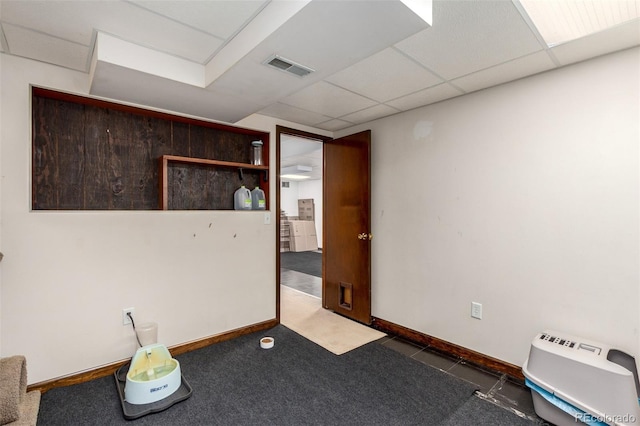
267	218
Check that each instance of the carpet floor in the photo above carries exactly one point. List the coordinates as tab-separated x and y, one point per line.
295	383
307	262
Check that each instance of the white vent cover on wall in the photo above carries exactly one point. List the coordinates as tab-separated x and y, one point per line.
288	65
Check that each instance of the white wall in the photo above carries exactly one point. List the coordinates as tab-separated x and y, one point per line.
66	276
289	199
300	190
523	197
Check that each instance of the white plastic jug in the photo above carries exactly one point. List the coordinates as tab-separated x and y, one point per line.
242	199
257	199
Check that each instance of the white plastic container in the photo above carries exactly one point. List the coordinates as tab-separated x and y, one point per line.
258	201
575	380
152	376
242	199
147	333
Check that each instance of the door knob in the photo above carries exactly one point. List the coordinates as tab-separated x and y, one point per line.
362	236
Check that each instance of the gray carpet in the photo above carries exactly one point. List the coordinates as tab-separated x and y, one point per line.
295	383
307	262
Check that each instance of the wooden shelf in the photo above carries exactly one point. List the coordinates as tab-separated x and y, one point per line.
203	161
166	159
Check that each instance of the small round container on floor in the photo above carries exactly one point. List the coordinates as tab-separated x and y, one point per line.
267	342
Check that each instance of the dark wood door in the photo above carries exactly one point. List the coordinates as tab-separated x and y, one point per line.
346	267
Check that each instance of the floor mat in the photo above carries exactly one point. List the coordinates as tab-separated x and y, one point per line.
304	314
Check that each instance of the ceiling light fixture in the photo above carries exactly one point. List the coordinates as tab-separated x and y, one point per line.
294	177
422	8
296	172
561	21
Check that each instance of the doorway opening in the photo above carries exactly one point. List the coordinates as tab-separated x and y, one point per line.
299	207
301	214
316	317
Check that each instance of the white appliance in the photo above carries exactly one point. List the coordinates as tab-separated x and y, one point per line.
152	376
574	379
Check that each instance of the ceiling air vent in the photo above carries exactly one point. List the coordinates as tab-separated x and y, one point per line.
287	65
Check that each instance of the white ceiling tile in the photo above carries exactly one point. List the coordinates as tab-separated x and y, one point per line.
47	16
357	30
559	22
333	125
294	146
34	45
148	29
144	89
486	33
259	82
328	36
509	71
219	18
369	114
617	38
327	99
376	77
293	114
125	20
478	43
425	97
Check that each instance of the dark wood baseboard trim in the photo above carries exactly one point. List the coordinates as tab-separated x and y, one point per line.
483	361
109	369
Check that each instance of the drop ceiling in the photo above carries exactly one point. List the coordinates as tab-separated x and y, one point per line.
370	59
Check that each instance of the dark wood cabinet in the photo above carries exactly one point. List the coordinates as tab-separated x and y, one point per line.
90	154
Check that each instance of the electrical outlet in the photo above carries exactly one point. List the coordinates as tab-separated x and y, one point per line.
125	318
476	310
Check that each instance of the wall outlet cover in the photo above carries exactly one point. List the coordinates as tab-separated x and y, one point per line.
476	310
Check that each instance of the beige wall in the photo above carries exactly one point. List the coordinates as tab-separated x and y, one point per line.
66	276
523	197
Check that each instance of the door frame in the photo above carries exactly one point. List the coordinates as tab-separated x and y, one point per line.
302	134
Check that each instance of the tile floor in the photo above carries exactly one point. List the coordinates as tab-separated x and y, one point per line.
303	282
498	389
494	387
